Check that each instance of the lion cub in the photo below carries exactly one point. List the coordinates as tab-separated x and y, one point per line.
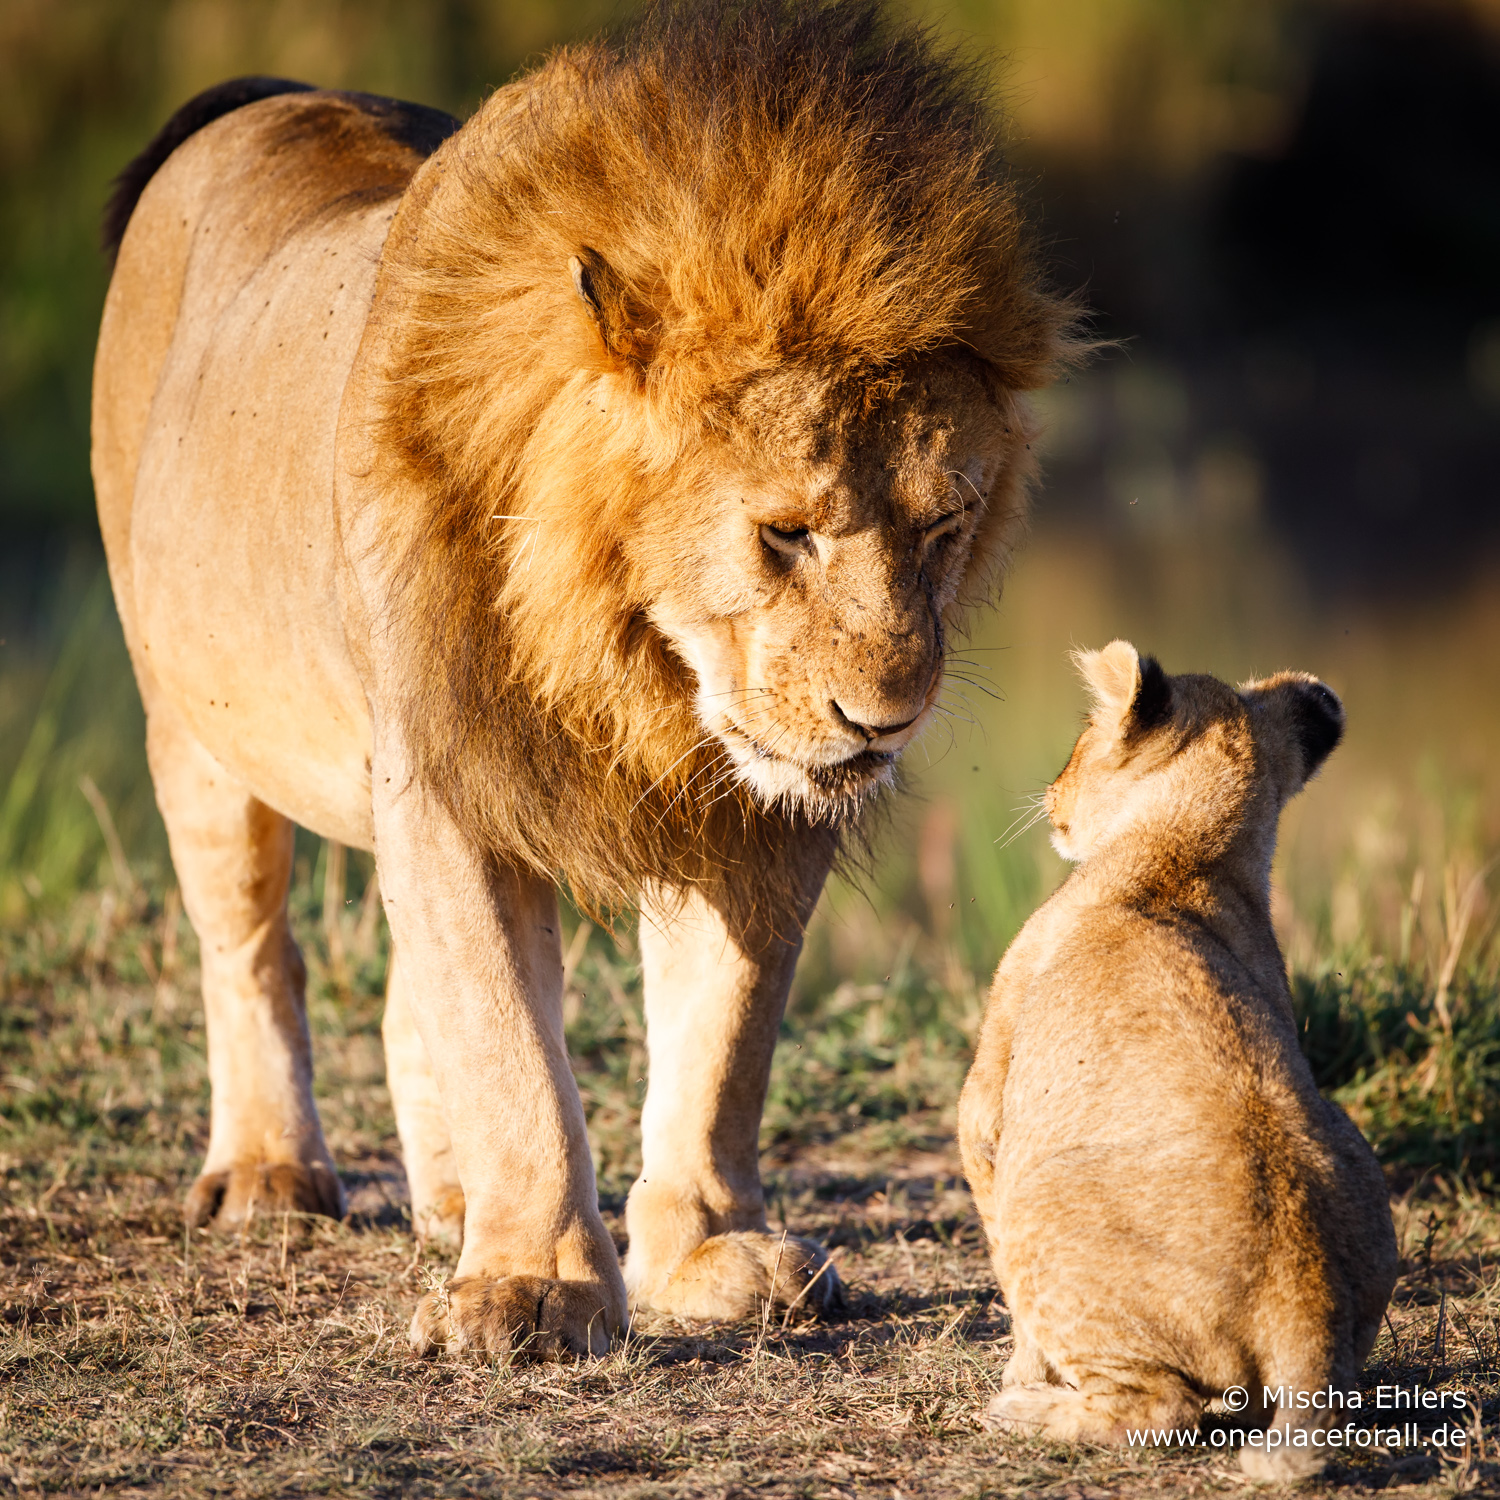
1172	1207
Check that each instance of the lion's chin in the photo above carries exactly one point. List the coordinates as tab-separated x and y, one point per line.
832	792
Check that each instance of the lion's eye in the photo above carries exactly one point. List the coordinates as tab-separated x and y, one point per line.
790	541
945	526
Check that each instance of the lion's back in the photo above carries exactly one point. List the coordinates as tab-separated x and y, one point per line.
220	201
238	303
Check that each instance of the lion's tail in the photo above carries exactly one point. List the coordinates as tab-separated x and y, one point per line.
201	110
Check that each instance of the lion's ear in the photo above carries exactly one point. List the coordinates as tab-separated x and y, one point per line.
623	325
1131	693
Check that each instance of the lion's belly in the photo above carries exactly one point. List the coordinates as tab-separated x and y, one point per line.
234	545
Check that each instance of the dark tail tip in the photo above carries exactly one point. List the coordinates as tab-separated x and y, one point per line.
199	111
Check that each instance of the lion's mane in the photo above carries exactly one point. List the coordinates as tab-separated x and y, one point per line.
770	184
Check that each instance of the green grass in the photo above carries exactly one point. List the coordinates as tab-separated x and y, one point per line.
1426	1093
69	710
861	1065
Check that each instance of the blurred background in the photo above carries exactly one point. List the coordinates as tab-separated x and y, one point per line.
1287	212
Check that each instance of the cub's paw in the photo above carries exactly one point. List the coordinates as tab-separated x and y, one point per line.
1166	1408
442	1219
1023	1409
528	1316
733	1276
231	1197
1281	1465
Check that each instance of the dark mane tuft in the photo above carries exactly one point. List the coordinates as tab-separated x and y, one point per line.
203	109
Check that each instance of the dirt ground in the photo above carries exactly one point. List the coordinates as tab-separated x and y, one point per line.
136	1359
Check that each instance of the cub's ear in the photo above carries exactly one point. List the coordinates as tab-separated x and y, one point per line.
1317	720
620	320
1111	676
1152	704
1131	693
1306	714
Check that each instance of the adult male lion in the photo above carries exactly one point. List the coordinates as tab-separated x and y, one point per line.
589	490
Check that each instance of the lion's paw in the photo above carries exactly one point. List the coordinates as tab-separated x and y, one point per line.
733	1276
528	1316
235	1195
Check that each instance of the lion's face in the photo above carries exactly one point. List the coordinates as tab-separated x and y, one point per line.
673	581
808	591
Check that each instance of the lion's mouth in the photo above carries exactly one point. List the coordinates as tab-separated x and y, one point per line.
847	777
864	763
833	787
867	761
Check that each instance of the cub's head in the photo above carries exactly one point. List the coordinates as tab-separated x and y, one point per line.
1187	765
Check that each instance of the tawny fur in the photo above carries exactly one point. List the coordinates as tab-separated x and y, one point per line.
805	236
1172	1207
586	492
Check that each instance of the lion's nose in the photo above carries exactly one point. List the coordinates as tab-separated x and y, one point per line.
872	731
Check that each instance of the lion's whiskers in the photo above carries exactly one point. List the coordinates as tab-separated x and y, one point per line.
708	739
959	474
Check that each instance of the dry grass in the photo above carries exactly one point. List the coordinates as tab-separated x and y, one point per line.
137	1359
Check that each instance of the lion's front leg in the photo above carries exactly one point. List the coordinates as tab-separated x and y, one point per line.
699	1245
481	967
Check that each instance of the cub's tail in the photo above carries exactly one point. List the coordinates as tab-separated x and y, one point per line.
199	111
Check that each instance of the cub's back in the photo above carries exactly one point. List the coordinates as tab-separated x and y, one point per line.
1150	1070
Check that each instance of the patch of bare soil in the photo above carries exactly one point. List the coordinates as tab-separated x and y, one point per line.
135	1359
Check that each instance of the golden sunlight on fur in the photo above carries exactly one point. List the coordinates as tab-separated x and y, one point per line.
588	491
1172	1207
771	443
